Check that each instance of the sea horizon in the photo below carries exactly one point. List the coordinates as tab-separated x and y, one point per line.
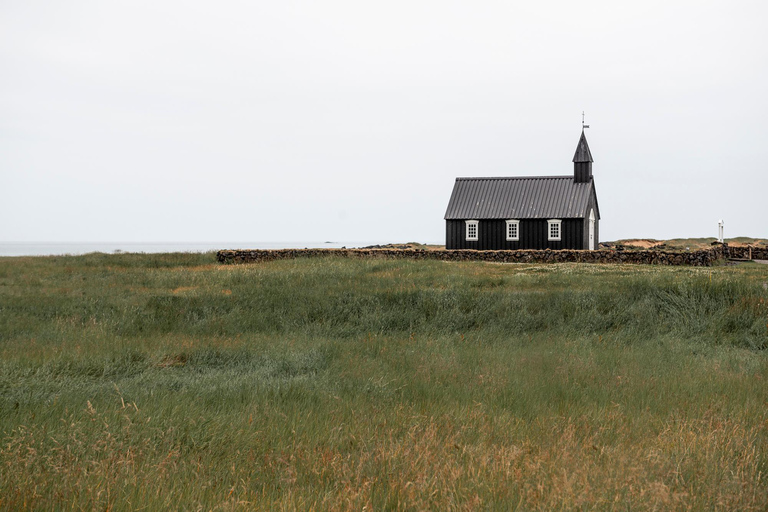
79	248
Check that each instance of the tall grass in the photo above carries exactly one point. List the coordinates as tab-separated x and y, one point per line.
168	381
125	298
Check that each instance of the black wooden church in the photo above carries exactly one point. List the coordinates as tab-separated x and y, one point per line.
530	212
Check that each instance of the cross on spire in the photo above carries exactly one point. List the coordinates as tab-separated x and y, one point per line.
582	122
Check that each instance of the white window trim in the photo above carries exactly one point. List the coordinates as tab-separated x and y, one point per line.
559	224
517	230
474	223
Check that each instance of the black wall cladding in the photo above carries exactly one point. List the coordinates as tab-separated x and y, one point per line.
492	235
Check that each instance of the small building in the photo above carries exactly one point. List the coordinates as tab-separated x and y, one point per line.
527	212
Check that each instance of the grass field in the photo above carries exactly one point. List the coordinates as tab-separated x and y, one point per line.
168	381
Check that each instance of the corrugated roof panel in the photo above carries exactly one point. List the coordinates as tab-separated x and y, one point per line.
496	200
518	198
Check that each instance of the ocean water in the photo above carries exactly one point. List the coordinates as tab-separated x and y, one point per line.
61	248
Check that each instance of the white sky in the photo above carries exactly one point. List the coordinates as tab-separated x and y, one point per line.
348	121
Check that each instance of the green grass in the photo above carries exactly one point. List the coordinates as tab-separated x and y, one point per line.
169	381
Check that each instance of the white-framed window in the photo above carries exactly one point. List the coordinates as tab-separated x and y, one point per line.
513	230
554	229
472	229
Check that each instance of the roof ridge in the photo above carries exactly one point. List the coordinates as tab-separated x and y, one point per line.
570	177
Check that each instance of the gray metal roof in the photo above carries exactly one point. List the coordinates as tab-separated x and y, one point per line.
583	154
528	197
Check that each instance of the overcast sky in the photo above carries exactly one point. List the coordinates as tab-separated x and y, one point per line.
349	121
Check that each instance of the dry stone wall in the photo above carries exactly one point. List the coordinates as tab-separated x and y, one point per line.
748	253
705	257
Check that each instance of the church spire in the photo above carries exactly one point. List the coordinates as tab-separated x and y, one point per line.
583	154
582	159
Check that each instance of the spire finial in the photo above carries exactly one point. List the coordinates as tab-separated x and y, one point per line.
582	122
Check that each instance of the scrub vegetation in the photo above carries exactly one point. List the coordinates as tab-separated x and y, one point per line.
132	381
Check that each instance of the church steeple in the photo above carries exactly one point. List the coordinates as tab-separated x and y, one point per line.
582	161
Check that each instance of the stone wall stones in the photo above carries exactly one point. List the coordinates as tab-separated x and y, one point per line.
748	253
706	257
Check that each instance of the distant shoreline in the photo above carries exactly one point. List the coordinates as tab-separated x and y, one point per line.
78	248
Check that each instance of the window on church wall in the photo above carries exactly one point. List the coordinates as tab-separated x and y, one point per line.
513	230
472	230
554	230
